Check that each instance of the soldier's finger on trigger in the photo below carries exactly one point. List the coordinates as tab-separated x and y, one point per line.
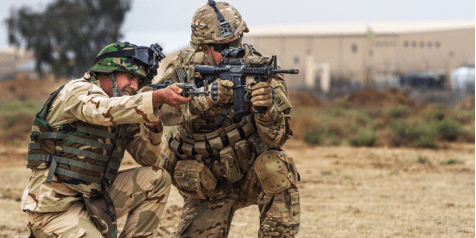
227	84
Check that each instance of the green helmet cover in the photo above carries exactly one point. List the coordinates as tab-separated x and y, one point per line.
124	64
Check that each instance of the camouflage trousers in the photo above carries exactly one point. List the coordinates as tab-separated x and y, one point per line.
279	214
140	193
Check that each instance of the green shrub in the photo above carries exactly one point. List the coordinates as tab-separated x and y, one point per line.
420	133
364	139
373	112
437	115
13	108
449	129
452	162
354	127
398	111
334	139
467	134
426	142
315	136
423	160
326	172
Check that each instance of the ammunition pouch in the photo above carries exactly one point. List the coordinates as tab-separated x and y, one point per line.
194	179
230	165
212	143
276	171
229	144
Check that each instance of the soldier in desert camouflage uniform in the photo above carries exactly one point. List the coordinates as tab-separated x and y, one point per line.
79	139
219	163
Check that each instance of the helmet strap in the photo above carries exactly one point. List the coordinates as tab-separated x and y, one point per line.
115	89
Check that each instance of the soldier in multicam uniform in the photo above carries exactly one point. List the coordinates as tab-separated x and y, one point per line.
79	139
219	163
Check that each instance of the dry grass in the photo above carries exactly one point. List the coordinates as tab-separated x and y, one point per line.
345	192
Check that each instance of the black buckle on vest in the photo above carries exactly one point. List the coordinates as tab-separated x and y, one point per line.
34	136
113	171
48	159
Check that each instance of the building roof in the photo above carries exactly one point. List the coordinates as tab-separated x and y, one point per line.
358	28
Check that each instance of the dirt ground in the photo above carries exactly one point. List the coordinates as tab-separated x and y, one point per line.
345	192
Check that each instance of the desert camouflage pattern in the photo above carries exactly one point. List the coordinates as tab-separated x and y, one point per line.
140	193
83	101
205	28
211	217
125	64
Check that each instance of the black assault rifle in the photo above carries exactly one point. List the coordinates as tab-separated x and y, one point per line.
235	69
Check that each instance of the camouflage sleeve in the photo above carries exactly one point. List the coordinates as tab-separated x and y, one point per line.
174	116
274	128
145	145
84	101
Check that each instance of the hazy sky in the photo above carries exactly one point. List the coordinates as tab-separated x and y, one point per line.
168	22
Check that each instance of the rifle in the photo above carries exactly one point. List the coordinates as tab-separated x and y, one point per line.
188	89
235	69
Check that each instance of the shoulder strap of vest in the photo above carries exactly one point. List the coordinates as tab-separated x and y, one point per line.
44	110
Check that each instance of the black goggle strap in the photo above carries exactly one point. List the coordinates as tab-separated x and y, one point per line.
226	28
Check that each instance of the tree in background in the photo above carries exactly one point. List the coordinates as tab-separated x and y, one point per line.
68	34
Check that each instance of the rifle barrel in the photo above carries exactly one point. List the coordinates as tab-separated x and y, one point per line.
286	71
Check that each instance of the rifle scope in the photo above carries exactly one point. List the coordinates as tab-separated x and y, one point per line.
233	53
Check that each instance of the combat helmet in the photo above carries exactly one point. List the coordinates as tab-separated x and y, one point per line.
217	23
130	58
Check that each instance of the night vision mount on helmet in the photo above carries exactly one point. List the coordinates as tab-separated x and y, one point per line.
226	28
217	23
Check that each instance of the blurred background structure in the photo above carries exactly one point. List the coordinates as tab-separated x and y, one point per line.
348	46
394	54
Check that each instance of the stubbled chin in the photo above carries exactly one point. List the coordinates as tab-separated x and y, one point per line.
127	93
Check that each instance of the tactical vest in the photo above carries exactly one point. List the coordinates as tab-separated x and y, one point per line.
228	149
77	152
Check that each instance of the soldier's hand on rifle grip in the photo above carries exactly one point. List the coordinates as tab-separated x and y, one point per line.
221	92
262	96
171	95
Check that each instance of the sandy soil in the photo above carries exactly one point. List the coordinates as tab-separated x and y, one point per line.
345	192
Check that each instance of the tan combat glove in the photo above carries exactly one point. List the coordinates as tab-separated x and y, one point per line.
262	96
221	92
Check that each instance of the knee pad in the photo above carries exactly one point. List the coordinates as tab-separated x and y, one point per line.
275	171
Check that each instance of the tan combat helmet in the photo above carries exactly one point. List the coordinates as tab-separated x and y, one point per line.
216	23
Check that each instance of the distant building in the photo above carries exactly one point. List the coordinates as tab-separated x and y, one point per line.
11	59
366	52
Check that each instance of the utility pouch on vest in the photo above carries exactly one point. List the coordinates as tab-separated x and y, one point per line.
194	179
230	164
242	152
